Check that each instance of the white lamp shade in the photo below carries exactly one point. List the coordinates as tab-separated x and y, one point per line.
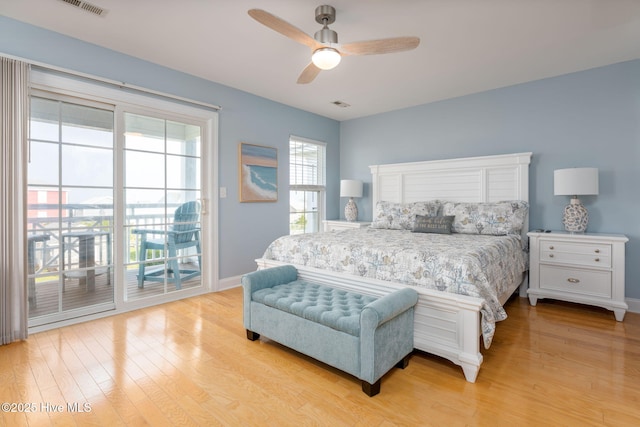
326	58
575	182
350	188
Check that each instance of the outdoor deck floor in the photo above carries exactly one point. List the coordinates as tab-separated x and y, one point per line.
76	295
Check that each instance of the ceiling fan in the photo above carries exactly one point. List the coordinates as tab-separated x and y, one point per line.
326	52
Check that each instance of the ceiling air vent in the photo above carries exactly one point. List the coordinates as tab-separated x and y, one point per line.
91	8
341	104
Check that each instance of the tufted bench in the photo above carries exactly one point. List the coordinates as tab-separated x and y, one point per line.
362	335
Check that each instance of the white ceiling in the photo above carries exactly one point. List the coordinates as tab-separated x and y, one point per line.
467	46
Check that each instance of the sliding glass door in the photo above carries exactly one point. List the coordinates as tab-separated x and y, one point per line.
70	208
116	205
162	225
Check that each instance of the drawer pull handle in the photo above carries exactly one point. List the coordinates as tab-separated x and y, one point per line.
551	247
597	251
550	255
572	280
597	260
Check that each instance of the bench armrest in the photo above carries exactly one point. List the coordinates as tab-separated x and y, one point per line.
387	307
386	333
269	277
262	279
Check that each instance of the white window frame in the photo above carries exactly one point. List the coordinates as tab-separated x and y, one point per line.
320	178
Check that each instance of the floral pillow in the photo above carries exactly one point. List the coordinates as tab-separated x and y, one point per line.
496	219
430	208
401	216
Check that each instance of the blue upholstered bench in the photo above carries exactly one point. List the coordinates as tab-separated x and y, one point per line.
362	335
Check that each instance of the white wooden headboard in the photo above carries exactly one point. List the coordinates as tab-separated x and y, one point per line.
470	179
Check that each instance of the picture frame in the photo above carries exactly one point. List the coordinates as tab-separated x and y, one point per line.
257	173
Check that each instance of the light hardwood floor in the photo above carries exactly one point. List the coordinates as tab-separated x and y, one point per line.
189	363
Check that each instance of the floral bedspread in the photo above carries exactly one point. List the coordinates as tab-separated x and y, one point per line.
476	265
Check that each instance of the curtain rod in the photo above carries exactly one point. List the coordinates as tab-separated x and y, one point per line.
112	82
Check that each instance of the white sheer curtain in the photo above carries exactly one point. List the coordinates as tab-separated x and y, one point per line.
14	125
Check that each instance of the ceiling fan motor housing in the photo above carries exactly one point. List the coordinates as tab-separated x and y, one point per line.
326	35
326	15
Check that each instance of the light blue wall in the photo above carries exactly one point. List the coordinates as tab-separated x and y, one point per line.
590	118
245	228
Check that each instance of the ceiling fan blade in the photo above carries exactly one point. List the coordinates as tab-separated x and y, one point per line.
376	47
308	74
283	27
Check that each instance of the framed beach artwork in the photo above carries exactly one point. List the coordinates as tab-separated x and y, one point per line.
258	170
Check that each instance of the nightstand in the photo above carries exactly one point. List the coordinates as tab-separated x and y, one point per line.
337	224
584	268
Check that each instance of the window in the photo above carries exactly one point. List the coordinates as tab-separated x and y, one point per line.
306	185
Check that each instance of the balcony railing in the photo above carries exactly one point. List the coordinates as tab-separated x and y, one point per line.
70	256
76	219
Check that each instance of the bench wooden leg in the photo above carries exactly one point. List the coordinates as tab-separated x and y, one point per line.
371	389
404	362
252	336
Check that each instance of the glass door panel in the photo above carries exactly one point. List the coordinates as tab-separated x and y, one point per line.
162	193
70	210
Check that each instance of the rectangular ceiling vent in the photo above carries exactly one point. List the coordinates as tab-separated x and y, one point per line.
341	104
91	8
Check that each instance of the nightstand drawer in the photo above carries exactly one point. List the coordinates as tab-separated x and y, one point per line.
578	281
583	254
339	225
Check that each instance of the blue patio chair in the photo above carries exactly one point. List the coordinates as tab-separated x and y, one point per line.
183	233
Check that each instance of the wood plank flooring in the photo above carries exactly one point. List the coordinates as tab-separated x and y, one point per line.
189	363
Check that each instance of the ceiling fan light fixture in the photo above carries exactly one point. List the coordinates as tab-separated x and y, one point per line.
326	58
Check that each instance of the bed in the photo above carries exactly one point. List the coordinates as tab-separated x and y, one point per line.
463	278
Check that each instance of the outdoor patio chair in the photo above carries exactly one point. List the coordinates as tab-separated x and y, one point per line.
183	233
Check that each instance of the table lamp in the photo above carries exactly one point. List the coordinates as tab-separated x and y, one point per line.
351	188
574	182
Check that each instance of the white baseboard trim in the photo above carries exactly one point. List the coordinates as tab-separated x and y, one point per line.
229	283
634	304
